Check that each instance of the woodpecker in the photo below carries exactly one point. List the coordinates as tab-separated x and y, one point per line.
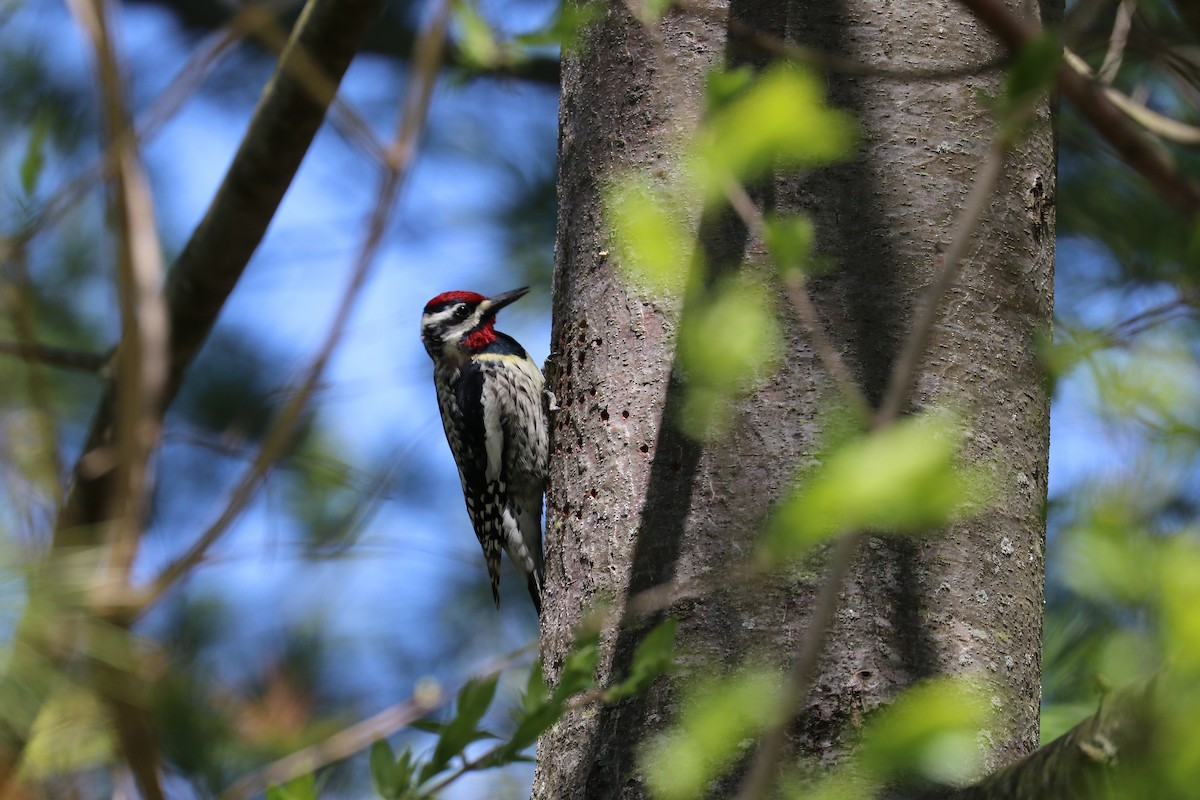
489	393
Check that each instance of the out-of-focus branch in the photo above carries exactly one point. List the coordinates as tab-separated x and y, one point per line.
337	747
1111	64
1158	124
50	356
285	121
400	157
141	370
1130	144
1083	762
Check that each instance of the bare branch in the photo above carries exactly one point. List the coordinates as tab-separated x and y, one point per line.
61	357
141	372
1130	144
1158	124
1116	41
904	371
400	158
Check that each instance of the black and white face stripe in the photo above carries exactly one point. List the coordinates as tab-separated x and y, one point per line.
450	323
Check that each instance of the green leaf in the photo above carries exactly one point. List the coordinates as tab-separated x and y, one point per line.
474	699
726	344
541	708
565	28
654	248
724	85
905	478
35	153
654	656
302	788
721	718
477	41
931	729
790	239
383	771
1033	70
781	121
428	725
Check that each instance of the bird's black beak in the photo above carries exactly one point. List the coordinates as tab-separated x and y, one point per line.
493	304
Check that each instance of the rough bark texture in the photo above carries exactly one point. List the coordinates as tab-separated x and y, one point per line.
634	503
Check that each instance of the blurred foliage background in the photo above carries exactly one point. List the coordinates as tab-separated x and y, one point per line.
354	579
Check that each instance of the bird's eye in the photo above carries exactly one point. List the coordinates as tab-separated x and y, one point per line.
461	313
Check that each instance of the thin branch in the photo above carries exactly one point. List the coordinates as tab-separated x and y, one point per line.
1130	144
763	769
904	371
831	359
204	59
1158	124
337	747
50	356
1111	64
360	735
141	364
401	157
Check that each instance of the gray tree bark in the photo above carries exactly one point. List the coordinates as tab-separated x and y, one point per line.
634	503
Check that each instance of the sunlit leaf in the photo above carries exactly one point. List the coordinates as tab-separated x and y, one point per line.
720	720
904	478
724	85
302	788
474	699
654	249
1180	603
726	343
846	781
781	121
71	733
477	41
790	239
931	729
654	656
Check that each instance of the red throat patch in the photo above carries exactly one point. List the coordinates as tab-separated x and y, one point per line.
482	337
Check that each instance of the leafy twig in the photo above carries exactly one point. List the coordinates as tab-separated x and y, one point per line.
761	776
743	205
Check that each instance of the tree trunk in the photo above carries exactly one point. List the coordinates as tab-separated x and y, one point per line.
634	503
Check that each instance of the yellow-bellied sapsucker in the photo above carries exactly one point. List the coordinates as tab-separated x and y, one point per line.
489	393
